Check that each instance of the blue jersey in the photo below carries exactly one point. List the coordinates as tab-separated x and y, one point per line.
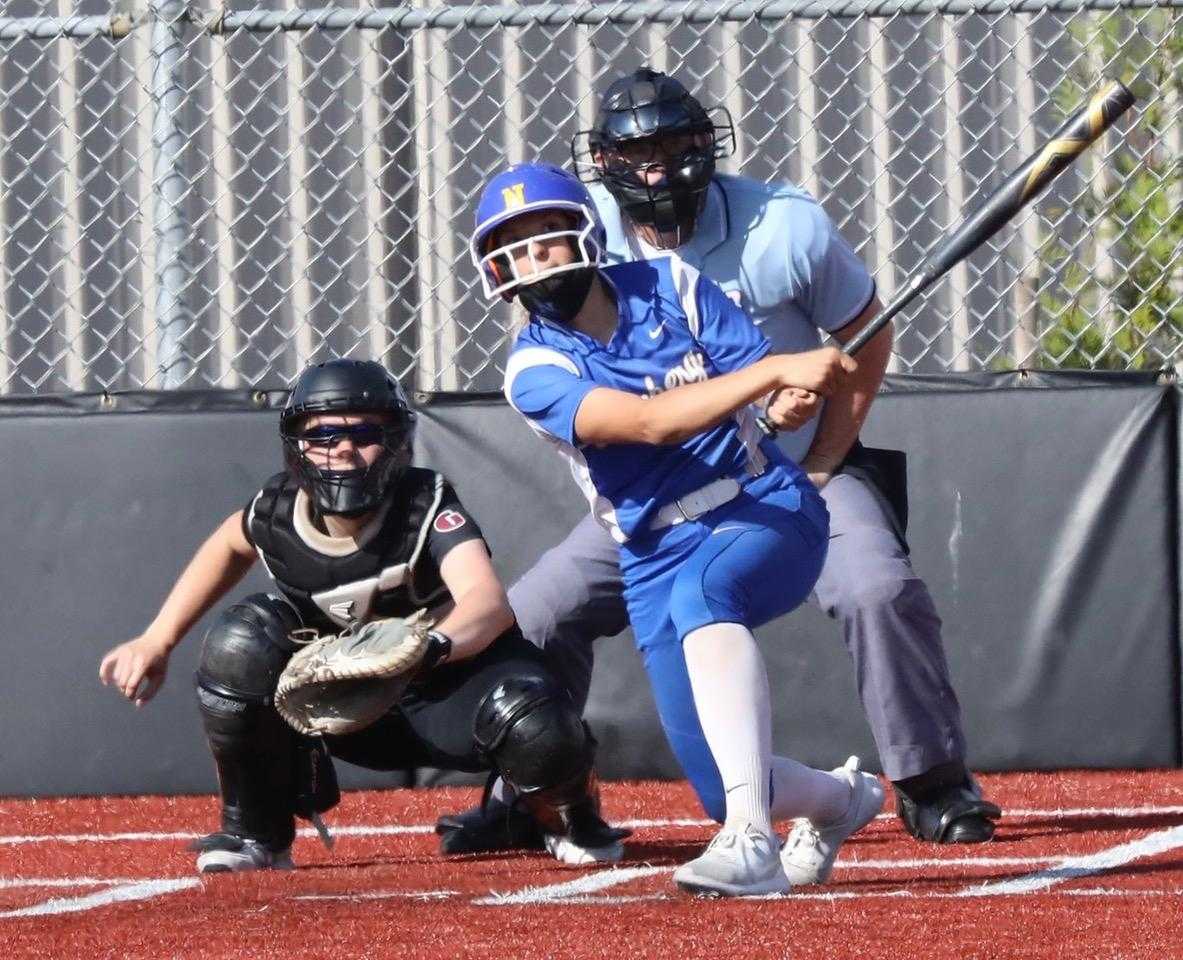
675	327
776	254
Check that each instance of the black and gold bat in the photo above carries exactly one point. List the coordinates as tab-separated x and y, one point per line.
1077	133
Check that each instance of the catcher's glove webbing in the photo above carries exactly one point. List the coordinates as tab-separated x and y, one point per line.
344	682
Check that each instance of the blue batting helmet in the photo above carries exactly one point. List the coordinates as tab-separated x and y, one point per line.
527	188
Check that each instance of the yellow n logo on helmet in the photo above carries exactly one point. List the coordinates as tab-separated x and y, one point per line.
514	196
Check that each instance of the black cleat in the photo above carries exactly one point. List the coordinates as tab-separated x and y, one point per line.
495	826
953	813
229	853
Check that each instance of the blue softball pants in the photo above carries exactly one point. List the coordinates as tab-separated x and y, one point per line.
748	561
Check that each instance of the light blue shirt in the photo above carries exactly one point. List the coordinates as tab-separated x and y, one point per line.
675	327
774	252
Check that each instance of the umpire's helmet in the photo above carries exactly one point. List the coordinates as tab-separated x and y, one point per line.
347	386
650	120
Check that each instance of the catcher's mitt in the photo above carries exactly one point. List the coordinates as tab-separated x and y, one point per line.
343	682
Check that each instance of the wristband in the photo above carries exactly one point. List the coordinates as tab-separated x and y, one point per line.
439	649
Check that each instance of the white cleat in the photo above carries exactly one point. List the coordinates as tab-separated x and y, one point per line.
736	863
228	854
811	849
568	851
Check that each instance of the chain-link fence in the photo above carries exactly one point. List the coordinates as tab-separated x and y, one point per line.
196	196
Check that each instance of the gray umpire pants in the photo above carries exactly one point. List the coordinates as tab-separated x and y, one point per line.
572	595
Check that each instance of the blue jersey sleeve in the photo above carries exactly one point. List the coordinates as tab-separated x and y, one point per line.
547	388
834	285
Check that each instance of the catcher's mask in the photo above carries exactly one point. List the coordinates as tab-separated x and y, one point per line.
347	387
648	123
550	290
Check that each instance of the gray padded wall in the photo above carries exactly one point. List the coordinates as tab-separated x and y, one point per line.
1044	516
1044	521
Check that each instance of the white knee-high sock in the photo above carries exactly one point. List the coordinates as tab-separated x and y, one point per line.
801	791
731	696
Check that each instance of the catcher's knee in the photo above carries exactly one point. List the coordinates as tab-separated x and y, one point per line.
246	649
529	729
532	734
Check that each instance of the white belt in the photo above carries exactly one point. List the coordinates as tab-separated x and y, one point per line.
694	504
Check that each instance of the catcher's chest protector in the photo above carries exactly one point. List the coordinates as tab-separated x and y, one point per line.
391	574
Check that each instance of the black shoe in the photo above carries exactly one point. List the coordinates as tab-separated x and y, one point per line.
485	829
229	853
950	813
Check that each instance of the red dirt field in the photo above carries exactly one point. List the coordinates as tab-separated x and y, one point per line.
1084	865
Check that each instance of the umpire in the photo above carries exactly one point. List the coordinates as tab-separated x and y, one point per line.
651	161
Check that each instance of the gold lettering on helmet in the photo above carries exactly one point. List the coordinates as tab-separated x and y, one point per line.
514	196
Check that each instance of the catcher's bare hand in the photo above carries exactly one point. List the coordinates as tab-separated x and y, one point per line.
790	408
136	668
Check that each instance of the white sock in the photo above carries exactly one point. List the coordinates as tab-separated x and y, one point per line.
730	689
801	791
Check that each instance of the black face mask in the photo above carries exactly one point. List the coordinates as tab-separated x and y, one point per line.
350	493
558	298
671	205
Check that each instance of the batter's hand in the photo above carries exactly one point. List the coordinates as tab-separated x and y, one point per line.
790	408
136	668
820	371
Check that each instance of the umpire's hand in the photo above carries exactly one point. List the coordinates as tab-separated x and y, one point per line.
790	408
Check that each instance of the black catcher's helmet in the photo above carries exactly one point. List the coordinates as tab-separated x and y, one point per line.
641	117
347	386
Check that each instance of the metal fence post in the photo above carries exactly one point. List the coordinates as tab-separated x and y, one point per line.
170	21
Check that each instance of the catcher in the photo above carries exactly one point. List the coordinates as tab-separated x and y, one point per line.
358	542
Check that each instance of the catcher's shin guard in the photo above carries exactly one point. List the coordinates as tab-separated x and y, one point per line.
266	771
534	737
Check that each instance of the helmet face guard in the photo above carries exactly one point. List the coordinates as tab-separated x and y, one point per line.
649	123
348	493
532	188
347	387
498	263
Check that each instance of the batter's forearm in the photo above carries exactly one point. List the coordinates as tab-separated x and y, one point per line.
680	413
845	411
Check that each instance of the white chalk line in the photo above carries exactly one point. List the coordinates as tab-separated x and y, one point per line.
581	890
16	883
1073	868
579	887
144	890
1064	868
413	829
383	895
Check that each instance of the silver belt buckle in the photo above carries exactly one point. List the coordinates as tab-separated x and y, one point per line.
687	514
